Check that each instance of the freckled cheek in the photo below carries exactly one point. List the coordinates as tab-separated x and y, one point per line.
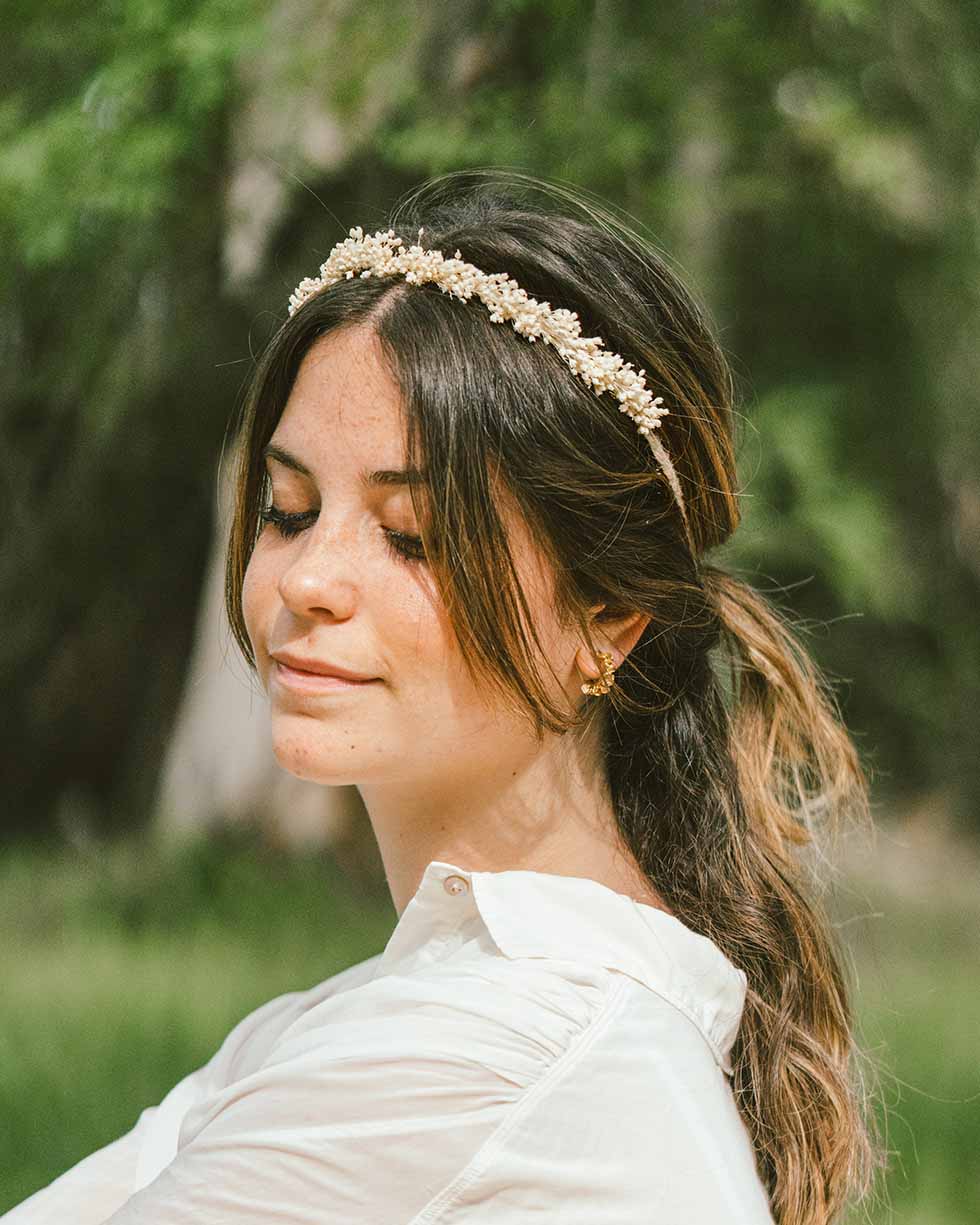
411	632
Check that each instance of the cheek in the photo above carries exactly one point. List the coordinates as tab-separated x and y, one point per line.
406	619
413	632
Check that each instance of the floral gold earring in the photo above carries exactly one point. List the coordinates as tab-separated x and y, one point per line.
605	682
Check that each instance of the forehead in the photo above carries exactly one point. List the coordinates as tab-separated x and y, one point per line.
344	386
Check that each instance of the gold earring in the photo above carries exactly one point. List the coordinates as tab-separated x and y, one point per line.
605	681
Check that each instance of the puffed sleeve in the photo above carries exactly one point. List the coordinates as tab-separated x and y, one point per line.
364	1116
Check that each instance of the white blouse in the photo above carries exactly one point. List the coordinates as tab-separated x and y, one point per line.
527	1046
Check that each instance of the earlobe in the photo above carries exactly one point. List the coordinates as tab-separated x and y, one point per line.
607	677
603	663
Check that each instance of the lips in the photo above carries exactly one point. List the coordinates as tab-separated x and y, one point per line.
313	684
318	667
306	676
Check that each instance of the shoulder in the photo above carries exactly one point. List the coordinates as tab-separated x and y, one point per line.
371	1100
489	1017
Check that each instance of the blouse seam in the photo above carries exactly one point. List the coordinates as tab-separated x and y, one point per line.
697	1016
677	998
480	1161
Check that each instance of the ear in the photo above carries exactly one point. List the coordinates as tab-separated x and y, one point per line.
617	635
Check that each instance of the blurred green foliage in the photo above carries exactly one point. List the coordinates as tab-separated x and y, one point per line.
169	170
127	965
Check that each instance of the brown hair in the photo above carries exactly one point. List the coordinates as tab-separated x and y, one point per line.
723	744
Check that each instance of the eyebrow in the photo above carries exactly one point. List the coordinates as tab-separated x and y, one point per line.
383	476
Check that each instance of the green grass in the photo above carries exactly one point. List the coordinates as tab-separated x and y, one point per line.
917	972
125	967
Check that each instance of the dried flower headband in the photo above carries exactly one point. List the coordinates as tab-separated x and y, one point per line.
383	254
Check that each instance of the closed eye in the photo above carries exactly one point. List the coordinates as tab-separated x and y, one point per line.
401	545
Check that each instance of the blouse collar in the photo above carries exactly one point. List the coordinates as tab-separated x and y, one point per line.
571	918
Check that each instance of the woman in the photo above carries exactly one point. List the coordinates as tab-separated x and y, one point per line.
483	461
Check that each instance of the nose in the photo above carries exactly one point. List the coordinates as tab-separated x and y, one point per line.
322	573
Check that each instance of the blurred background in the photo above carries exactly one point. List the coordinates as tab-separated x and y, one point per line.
169	171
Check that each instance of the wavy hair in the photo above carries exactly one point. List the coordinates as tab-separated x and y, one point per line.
725	752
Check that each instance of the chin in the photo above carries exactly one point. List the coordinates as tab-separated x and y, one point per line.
316	763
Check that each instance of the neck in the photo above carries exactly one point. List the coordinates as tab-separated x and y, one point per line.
549	813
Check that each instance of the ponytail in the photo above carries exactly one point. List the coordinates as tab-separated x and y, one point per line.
799	778
795	762
750	765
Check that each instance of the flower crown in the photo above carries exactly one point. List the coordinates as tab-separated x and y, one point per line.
383	254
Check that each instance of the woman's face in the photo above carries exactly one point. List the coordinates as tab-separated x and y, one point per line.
345	590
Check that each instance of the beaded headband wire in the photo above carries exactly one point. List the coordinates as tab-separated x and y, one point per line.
383	254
